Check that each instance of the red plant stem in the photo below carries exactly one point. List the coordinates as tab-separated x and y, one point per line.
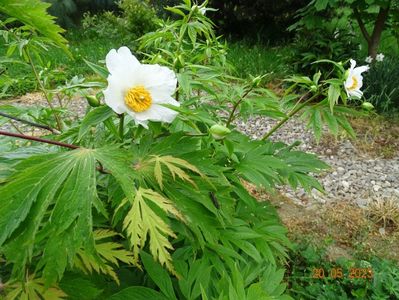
37	139
100	168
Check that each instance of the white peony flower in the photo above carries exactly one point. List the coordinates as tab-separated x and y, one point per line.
369	59
139	89
380	57
354	80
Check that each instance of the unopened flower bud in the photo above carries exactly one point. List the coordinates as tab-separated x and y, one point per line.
194	8
256	81
179	62
219	132
313	88
92	100
367	106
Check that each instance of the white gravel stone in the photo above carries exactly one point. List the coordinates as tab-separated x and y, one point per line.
353	176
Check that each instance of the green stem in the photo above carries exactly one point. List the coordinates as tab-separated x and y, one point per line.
289	115
44	91
121	125
233	111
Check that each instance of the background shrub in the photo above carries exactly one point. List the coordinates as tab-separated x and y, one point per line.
332	43
135	18
381	83
69	12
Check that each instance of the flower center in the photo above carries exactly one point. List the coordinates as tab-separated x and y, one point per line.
354	84
138	99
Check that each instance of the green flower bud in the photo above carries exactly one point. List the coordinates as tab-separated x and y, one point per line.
194	8
256	81
179	62
92	100
219	132
367	106
313	88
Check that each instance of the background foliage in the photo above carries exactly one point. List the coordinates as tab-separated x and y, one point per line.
164	213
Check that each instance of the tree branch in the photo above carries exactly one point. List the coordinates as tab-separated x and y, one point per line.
362	26
380	23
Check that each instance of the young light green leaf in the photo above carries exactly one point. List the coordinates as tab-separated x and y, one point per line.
173	164
141	221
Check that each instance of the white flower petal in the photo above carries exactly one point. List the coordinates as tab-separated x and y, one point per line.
360	70
356	93
353	65
159	80
157	113
166	100
121	61
126	73
114	95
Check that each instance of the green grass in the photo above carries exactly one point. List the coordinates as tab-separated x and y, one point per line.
248	60
259	59
64	67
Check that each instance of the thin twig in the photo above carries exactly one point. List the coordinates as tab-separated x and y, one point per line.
44	91
16	127
121	125
289	115
233	111
29	122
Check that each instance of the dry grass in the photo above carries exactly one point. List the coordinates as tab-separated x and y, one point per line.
384	213
377	136
343	228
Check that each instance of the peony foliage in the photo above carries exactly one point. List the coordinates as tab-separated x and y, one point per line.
146	197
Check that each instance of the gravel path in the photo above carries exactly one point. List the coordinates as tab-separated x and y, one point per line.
354	176
76	109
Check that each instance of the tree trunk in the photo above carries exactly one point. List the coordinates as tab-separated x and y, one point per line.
375	38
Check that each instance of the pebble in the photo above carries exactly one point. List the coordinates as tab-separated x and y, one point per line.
353	176
345	184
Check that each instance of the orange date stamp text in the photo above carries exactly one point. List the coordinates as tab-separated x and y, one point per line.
338	273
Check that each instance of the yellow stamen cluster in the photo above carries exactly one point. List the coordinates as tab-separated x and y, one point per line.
354	84
138	99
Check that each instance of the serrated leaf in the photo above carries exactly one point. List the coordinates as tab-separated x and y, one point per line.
141	221
173	164
34	13
34	289
61	188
